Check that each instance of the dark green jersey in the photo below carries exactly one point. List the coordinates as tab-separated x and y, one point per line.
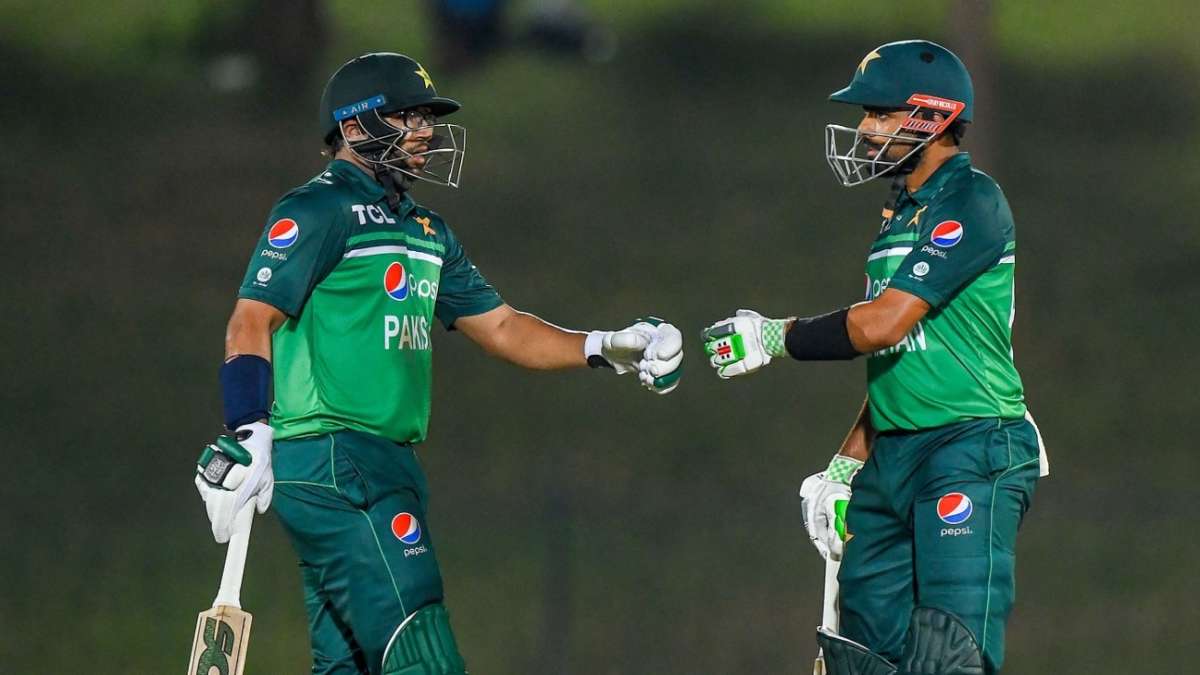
360	284
952	244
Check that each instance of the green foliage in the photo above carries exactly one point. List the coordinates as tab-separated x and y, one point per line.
120	35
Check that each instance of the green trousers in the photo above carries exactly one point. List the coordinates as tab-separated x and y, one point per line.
353	506
933	522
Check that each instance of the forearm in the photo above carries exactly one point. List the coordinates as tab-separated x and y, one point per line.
250	328
246	374
527	341
857	443
870	328
884	321
241	342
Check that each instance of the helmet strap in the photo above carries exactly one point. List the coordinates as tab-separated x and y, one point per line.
394	183
910	163
898	180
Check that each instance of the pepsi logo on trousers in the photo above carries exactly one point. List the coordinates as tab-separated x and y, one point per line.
954	508
406	528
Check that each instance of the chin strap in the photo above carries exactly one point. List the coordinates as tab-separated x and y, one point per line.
394	183
898	179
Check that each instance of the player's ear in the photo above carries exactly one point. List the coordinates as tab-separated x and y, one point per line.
351	131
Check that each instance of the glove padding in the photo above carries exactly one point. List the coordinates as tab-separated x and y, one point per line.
660	367
234	470
824	497
651	347
744	343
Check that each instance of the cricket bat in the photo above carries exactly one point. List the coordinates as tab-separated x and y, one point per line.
223	632
829	611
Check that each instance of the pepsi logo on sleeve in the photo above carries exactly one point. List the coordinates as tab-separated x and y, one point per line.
283	233
947	233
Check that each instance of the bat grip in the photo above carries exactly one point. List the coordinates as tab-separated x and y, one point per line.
235	558
830	616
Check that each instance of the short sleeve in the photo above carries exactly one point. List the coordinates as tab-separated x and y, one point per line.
462	290
968	236
300	245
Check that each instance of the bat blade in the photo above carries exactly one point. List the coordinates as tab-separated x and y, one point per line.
221	641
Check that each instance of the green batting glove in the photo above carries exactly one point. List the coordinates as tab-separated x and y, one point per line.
744	343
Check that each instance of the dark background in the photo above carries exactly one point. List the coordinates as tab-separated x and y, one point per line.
585	526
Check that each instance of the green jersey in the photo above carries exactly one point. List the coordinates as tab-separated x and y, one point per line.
360	284
952	244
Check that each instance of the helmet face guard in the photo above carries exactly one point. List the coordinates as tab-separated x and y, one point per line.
849	152
383	149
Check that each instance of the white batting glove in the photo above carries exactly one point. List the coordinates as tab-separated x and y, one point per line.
744	343
824	497
660	367
232	471
650	347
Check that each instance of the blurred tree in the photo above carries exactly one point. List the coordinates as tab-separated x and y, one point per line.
470	31
467	30
268	46
972	37
287	38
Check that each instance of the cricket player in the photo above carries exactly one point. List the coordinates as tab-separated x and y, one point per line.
335	314
941	463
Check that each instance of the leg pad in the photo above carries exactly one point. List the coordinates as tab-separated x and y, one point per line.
940	644
847	657
424	645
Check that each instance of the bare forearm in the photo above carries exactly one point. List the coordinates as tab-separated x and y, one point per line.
884	321
858	442
527	341
250	328
239	341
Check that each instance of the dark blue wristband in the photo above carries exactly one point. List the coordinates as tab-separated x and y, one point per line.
245	389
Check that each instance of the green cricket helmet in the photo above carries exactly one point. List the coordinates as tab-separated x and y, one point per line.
368	88
915	75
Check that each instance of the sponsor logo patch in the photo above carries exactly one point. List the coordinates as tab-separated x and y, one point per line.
947	233
921	268
954	508
406	528
264	275
395	281
283	233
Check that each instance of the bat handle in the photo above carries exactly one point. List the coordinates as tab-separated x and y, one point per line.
235	558
830	616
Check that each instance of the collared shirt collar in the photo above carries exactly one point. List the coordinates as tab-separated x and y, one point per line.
367	186
360	180
952	166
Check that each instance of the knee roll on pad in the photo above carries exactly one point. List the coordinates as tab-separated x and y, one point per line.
847	657
940	644
424	645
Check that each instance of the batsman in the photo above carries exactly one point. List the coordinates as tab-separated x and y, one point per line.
940	466
335	315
